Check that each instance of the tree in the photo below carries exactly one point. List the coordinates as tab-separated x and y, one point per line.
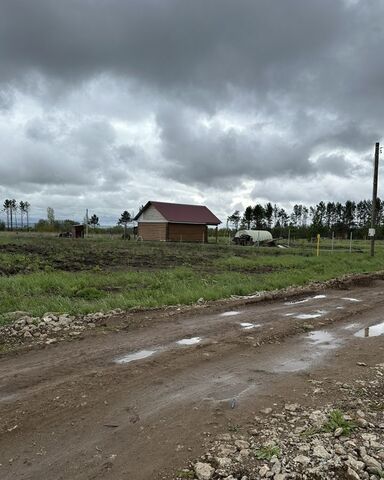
22	211
27	207
50	215
94	220
247	217
268	213
15	208
258	215
124	220
7	210
283	218
349	214
12	210
234	219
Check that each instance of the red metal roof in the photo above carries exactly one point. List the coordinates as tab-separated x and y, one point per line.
179	213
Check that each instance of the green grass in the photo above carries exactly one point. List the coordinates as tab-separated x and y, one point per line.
41	274
266	452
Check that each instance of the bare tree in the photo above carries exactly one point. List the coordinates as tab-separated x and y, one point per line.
27	207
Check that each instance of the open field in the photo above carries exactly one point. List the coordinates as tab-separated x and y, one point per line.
46	273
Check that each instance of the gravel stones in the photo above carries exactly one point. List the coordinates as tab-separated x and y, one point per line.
297	443
38	330
204	471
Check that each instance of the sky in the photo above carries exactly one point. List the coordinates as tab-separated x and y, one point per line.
106	104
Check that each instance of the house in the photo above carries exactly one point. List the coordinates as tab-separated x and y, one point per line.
175	222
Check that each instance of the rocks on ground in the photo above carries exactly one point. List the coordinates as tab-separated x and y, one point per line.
50	327
305	444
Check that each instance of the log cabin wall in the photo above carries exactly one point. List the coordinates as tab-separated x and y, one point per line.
183	232
152	231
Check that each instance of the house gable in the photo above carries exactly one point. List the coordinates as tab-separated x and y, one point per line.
151	215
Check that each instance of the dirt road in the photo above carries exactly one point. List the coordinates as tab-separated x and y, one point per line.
136	403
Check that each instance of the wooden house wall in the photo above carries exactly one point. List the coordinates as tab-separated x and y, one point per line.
183	232
152	231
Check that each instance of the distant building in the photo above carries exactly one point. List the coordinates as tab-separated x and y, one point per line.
175	222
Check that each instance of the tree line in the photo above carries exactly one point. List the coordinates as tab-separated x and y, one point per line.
12	208
324	218
17	217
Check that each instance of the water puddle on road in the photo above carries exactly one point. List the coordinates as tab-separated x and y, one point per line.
229	314
8	398
308	316
372	331
305	300
189	341
297	302
348	299
249	326
351	326
131	357
316	345
323	339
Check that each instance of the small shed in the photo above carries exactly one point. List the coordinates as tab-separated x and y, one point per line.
175	222
78	231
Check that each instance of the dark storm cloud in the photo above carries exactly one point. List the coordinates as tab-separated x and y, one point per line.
166	42
210	155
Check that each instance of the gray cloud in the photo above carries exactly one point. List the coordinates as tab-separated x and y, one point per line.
194	100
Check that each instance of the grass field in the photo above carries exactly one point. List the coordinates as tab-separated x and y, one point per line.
46	273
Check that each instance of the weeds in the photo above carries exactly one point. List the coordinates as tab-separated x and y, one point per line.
337	420
266	452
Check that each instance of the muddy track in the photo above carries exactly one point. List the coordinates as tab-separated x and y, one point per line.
72	411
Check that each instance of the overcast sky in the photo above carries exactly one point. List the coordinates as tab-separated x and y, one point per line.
106	104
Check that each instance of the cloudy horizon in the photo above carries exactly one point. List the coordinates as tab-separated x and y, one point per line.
108	104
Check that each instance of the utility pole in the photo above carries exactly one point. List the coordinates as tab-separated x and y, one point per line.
374	198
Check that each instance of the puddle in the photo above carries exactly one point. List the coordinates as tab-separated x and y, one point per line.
351	326
189	341
339	308
321	338
351	299
305	300
316	346
290	314
373	331
248	326
8	398
308	316
229	314
297	302
135	356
